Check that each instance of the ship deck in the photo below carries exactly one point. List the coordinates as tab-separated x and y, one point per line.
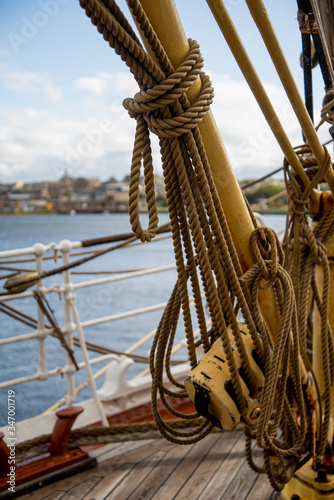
214	468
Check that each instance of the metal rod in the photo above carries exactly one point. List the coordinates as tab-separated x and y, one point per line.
231	35
84	350
229	192
261	19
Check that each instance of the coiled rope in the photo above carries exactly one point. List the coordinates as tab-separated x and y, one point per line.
206	258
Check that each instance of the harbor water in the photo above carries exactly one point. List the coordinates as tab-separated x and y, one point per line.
21	359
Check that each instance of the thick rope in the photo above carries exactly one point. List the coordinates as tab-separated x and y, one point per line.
100	435
206	259
304	249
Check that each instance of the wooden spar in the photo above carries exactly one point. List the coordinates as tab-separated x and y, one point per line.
239	52
261	18
317	358
236	212
327	18
177	48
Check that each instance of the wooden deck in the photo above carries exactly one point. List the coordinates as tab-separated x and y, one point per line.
215	468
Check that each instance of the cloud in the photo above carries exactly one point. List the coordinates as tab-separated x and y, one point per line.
250	143
107	83
95	84
22	80
38	144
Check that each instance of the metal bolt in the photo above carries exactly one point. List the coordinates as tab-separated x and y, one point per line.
255	413
322	475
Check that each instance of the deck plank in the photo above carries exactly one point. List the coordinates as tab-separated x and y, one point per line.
136	476
214	468
209	464
171	461
54	495
82	489
229	465
262	489
193	454
116	449
241	484
121	469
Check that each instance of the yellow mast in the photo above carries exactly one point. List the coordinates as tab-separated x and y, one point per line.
229	192
177	48
261	18
238	218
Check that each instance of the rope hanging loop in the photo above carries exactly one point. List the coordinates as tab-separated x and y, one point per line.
307	22
327	111
268	253
159	110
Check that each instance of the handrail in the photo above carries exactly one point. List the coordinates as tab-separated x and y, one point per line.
72	321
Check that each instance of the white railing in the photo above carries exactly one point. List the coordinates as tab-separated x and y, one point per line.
72	323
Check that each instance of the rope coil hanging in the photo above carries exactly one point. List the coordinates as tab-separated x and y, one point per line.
304	250
206	259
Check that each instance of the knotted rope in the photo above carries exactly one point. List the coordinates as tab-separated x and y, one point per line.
204	252
148	107
304	250
206	259
327	111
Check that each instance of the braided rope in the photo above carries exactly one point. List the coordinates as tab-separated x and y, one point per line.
206	259
304	249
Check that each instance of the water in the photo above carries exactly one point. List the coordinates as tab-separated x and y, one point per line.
21	359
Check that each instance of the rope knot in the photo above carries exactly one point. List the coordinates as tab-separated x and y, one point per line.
307	22
160	106
297	194
327	112
299	205
267	252
163	110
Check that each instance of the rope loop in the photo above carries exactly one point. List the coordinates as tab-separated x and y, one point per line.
307	23
267	252
327	112
159	110
142	152
152	103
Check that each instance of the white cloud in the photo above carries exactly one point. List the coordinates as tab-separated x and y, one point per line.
41	144
107	83
95	84
22	80
250	143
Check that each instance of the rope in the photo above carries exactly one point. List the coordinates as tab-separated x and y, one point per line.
99	435
206	258
195	212
204	253
304	249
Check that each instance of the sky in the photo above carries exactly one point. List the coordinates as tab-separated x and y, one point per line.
62	88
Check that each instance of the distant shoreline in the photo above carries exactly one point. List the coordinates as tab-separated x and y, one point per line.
160	210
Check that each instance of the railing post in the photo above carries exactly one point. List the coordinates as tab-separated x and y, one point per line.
39	250
87	361
4	457
65	246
